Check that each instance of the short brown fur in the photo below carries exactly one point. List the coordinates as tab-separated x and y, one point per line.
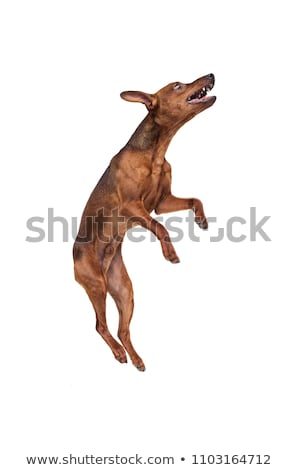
137	181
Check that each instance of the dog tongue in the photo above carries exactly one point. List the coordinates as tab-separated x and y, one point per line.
195	100
199	100
205	98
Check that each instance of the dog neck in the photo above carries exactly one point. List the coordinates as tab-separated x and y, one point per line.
152	138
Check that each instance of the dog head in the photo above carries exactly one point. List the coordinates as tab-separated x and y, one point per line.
177	102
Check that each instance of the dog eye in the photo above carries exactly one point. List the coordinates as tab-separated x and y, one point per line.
177	86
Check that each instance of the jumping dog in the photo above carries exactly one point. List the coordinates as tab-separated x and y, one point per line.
136	182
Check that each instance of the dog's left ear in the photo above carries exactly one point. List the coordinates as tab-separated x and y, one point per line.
147	99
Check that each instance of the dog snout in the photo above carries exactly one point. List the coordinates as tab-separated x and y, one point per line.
211	77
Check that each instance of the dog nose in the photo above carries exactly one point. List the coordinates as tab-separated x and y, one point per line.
211	76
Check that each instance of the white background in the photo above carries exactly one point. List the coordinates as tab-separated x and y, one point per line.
218	332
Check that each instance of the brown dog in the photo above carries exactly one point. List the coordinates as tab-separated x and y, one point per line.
137	181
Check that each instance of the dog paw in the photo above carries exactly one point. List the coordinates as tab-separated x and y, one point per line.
122	360
169	251
202	223
120	356
139	364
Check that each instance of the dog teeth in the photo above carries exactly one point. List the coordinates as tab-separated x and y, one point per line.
200	93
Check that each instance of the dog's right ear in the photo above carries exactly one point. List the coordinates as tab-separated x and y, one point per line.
140	97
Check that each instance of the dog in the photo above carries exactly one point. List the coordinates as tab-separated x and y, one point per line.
136	182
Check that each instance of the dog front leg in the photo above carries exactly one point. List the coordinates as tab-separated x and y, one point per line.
137	215
172	204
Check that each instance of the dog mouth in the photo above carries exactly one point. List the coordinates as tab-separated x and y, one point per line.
200	96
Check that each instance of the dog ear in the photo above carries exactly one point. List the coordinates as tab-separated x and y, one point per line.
140	97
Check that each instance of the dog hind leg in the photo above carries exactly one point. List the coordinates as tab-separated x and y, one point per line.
120	288
89	274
